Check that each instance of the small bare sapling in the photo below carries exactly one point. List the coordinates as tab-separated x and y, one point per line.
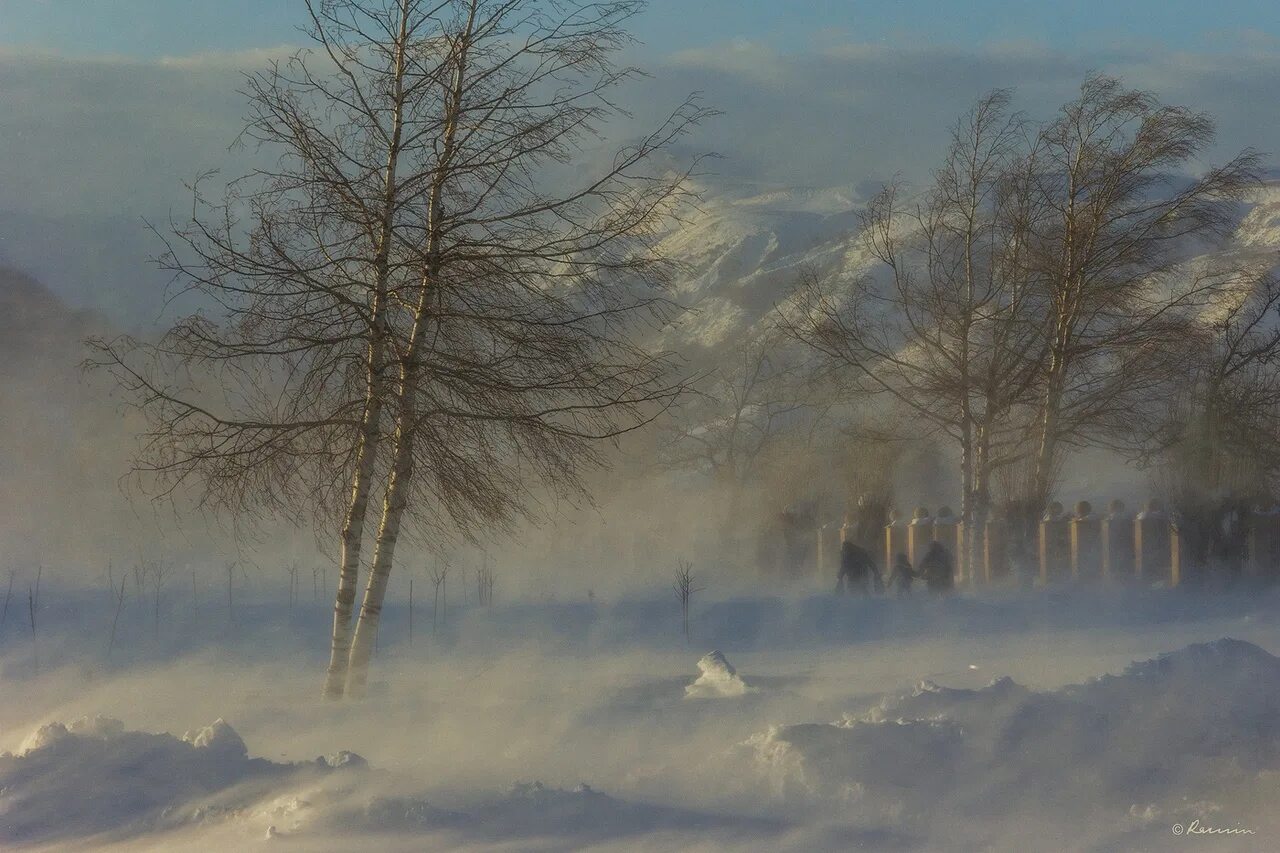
684	588
115	621
440	577
33	604
4	615
484	585
292	571
159	571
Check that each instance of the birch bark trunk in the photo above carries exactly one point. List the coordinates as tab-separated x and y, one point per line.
371	422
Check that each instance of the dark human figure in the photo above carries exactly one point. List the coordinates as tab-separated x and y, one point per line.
902	576
789	525
936	568
1229	545
869	519
857	570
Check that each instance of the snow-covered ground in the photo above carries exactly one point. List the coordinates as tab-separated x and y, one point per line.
1072	720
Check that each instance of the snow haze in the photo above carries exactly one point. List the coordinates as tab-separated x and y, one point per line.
1003	724
508	465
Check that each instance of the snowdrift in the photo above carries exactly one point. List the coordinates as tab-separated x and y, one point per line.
1140	748
94	780
717	679
1108	764
93	777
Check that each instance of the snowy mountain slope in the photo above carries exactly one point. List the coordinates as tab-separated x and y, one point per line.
746	245
744	248
1259	230
65	443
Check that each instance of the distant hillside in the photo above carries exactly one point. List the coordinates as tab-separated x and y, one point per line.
33	321
63	445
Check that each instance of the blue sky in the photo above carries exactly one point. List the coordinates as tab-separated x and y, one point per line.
154	28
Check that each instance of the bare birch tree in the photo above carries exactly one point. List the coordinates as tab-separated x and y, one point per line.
1034	292
399	293
297	354
517	355
1113	215
950	331
1216	451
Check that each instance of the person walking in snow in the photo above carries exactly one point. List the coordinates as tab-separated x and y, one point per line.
936	569
866	524
857	570
901	577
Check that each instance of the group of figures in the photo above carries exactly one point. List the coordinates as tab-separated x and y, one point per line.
860	573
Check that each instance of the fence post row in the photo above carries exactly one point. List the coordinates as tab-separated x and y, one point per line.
1084	546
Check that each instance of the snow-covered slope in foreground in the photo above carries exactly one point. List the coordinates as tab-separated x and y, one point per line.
1191	735
1122	762
92	779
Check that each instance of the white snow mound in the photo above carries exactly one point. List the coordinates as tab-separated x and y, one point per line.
718	679
219	737
94	779
1149	741
98	727
92	776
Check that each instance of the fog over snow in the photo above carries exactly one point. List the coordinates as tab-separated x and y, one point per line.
1009	723
544	686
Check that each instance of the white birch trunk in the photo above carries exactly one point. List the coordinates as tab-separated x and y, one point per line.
393	506
371	424
396	497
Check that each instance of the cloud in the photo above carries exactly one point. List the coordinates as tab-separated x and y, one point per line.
230	60
850	111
